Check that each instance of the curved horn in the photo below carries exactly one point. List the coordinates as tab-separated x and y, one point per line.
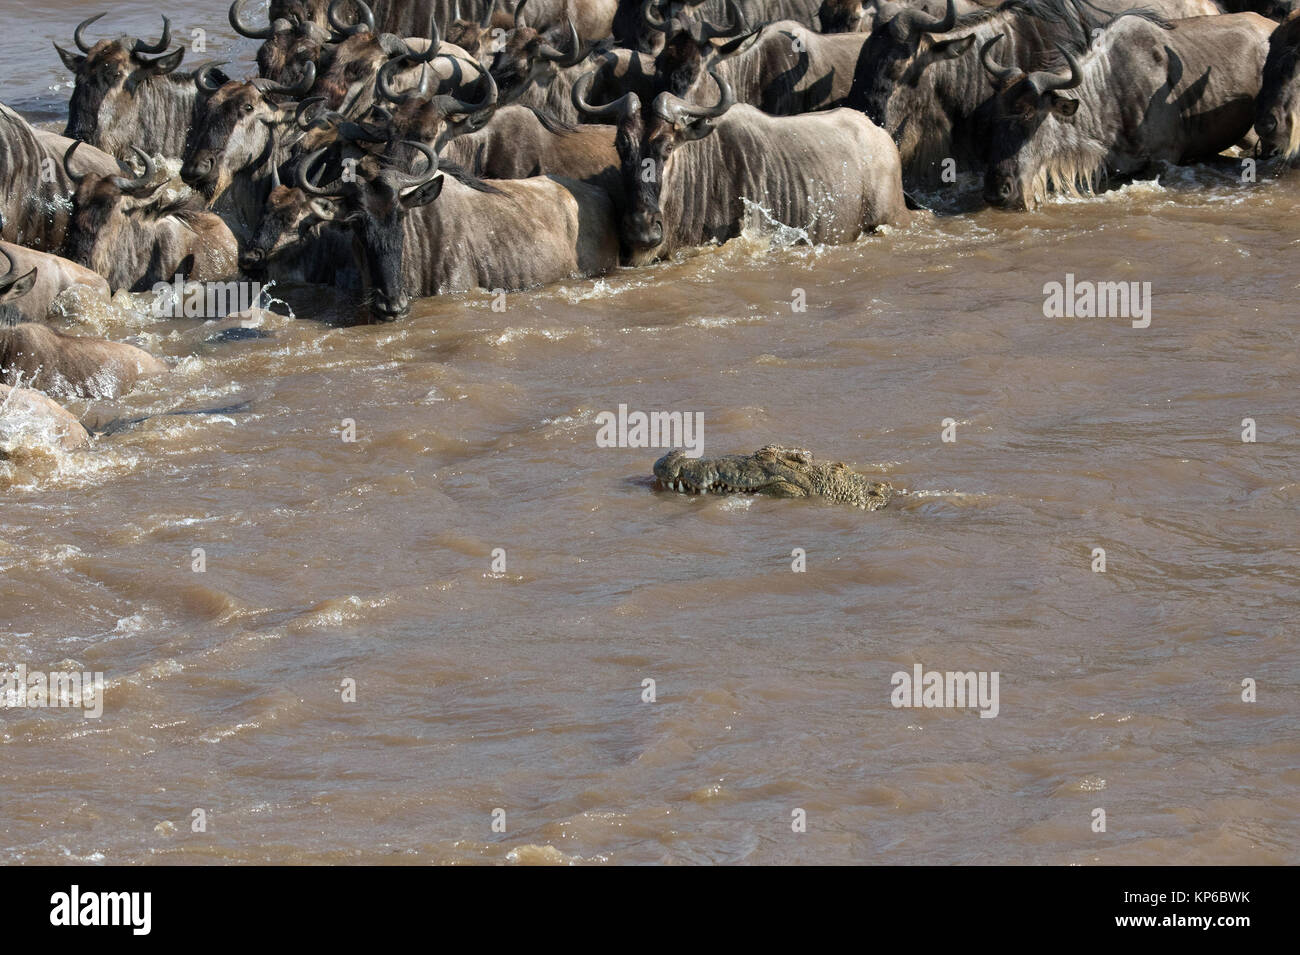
165	41
297	90
616	109
67	163
11	277
652	18
243	29
928	24
450	105
384	82
300	114
365	19
519	12
136	184
81	28
488	9
676	110
203	78
1047	82
435	41
413	179
737	25
303	177
558	57
1000	74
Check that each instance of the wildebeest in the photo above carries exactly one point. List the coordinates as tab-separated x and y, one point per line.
529	57
475	235
40	357
241	138
1277	110
26	414
688	171
34	188
43	277
290	41
631	27
1146	91
135	241
123	98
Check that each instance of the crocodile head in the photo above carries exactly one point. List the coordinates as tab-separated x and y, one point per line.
773	470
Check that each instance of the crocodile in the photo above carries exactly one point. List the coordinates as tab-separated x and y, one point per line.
774	470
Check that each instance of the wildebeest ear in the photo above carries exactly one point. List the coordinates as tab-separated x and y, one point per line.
951	49
423	195
71	60
165	64
1064	106
18	287
697	128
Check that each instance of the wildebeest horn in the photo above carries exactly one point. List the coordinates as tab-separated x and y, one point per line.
737	26
928	24
652	18
297	90
616	109
1047	82
384	82
203	78
435	41
519	12
11	276
67	163
907	20
1000	74
82	45
304	176
677	110
412	180
365	19
243	29
488	10
165	41
449	105
136	184
548	52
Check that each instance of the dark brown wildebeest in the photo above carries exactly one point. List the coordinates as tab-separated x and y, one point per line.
40	278
689	172
475	235
1277	110
1146	91
245	132
290	41
134	242
122	98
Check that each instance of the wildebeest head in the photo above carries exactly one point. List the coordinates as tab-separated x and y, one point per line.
374	201
903	43
841	16
96	197
528	56
1277	109
691	43
290	42
284	228
13	286
414	114
1031	116
479	37
362	51
236	128
645	143
109	74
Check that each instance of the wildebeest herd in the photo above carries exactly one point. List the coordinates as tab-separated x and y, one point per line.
406	149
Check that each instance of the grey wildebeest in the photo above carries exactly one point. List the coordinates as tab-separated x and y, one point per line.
241	138
430	233
290	41
122	98
1146	91
688	171
48	360
45	278
631	27
921	79
34	188
1277	110
118	230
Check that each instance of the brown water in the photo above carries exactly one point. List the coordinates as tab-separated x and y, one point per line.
521	690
